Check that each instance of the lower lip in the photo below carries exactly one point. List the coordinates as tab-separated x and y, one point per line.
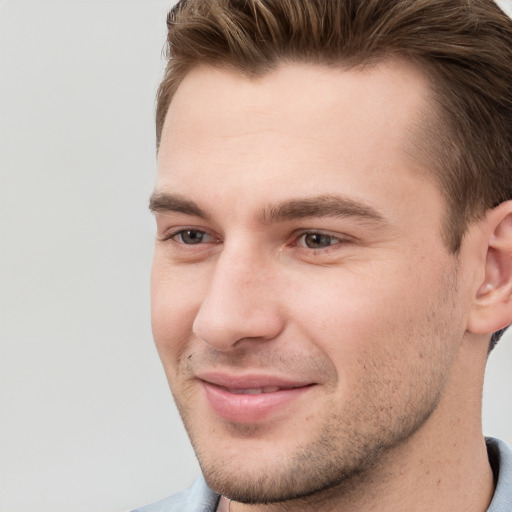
249	408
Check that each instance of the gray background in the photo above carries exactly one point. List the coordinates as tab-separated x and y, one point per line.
87	421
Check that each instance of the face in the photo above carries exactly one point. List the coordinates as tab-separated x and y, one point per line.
304	305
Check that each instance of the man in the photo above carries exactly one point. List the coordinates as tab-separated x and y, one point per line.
334	251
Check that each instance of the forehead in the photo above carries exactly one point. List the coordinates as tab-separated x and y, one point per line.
390	91
296	130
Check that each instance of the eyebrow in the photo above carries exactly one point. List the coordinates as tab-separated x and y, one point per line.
319	206
161	202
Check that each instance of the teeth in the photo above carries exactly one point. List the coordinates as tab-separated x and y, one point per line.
255	391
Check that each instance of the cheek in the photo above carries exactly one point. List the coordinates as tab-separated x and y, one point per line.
378	322
175	300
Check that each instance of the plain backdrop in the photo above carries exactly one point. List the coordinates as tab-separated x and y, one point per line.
87	421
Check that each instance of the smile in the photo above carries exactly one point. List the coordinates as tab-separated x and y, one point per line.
256	391
250	400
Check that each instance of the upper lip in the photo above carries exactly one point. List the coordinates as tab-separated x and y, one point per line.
250	381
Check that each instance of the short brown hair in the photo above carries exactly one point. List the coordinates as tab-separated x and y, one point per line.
464	47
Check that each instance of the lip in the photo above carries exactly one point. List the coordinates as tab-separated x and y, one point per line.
250	398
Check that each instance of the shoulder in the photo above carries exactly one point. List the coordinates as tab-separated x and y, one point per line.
500	456
197	498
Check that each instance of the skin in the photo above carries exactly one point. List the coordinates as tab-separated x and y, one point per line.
360	299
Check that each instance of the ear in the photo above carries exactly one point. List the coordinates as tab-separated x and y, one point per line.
492	305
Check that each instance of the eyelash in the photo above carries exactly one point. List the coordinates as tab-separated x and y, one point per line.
298	241
197	232
322	236
173	236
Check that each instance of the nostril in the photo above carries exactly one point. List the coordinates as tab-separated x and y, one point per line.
222	329
238	305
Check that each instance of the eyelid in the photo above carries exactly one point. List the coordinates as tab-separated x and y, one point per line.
339	237
171	234
205	237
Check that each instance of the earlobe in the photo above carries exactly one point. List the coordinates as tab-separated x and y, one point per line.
492	306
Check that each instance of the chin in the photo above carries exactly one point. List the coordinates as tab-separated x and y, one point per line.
303	476
259	471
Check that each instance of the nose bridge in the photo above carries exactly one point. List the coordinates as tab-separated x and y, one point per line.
240	302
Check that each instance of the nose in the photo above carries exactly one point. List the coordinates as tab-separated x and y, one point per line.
241	302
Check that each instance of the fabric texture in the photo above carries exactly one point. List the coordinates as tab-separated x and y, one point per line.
200	498
197	498
500	456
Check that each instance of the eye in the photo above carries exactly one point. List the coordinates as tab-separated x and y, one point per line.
317	240
192	237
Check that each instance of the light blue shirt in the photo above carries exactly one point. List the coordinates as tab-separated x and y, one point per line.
200	498
500	456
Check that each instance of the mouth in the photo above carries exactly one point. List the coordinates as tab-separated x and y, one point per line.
258	391
251	399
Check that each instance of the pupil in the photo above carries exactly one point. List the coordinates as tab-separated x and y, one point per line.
192	237
315	240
